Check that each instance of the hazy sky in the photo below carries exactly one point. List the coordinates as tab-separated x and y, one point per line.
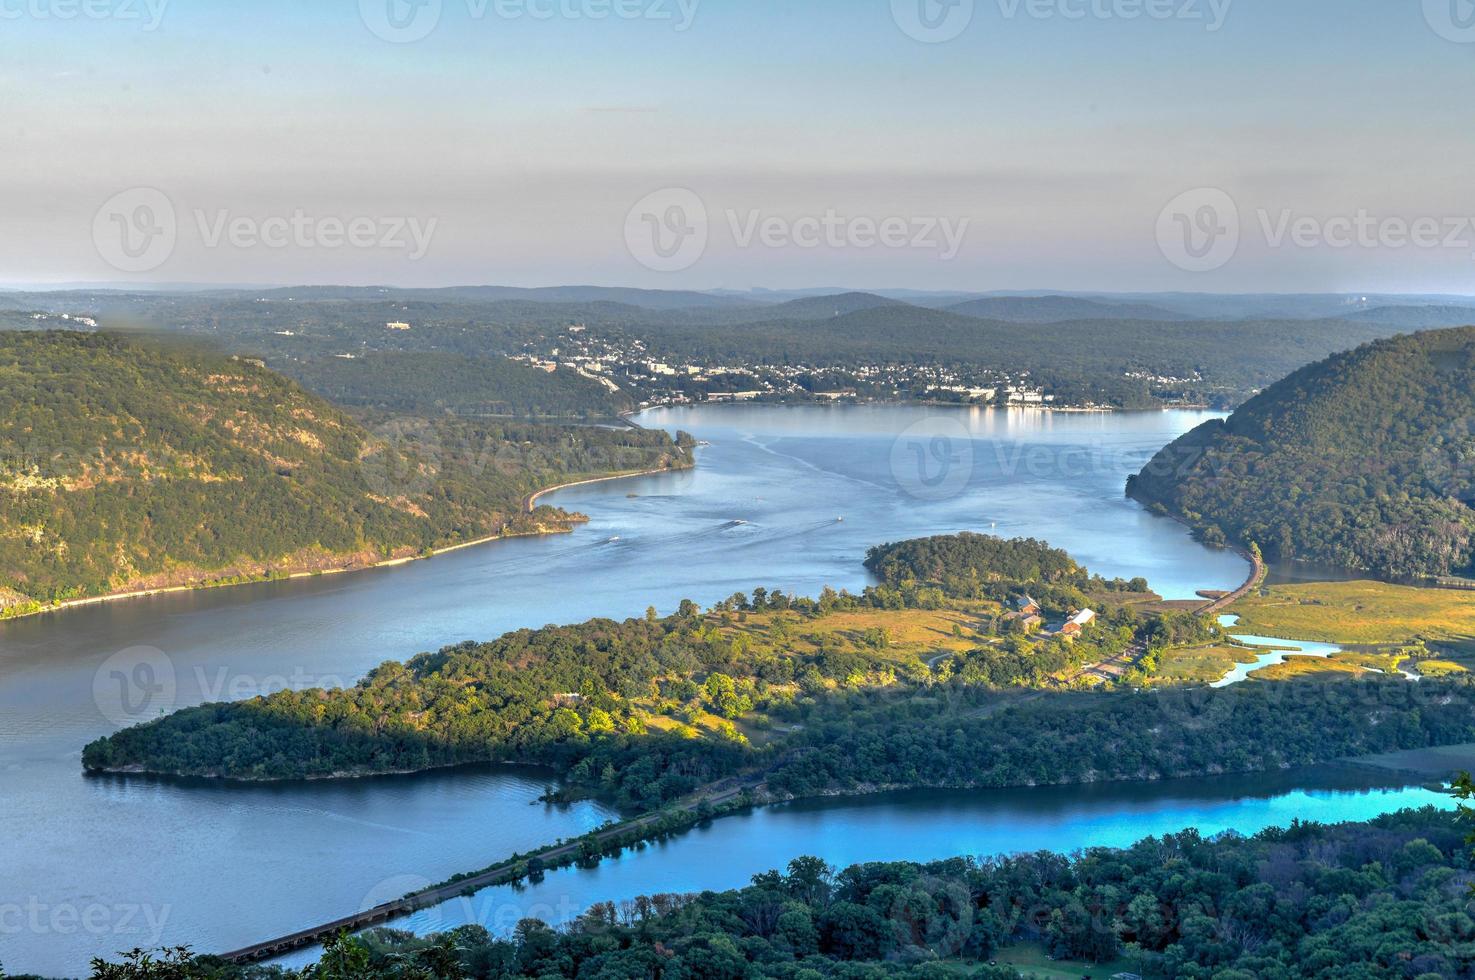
1017	144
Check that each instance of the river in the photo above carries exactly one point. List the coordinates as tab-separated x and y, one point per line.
787	498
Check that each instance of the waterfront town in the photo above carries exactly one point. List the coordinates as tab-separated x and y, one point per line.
627	364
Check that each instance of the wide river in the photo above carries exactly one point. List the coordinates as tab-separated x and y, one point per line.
786	498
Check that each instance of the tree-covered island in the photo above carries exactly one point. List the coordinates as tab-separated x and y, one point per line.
933	677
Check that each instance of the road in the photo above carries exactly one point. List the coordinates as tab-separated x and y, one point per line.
500	874
1257	575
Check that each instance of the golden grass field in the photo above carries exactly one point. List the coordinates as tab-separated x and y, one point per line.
1364	613
912	634
1200	665
1299	668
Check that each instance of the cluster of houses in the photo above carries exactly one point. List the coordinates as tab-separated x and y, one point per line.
1029	613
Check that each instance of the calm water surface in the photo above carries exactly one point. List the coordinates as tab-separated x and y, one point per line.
144	862
926	826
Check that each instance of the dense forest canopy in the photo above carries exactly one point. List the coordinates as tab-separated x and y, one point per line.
1364	460
127	464
957	560
430	383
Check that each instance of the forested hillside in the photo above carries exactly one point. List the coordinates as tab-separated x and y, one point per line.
434	383
1365	460
125	465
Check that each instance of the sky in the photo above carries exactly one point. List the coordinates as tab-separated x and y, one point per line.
1094	145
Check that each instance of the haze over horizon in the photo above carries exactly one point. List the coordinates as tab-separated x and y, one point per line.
1011	146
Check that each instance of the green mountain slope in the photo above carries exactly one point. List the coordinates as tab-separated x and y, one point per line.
126	466
430	383
1364	460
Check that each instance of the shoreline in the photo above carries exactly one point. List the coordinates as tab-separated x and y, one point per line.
529	505
927	403
530	502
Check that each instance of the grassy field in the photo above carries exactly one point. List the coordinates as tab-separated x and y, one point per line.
1370	613
1200	665
911	634
1441	668
1388	663
1031	961
903	641
1300	668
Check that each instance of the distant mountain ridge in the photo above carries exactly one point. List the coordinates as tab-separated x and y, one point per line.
1416	317
1365	460
1058	309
